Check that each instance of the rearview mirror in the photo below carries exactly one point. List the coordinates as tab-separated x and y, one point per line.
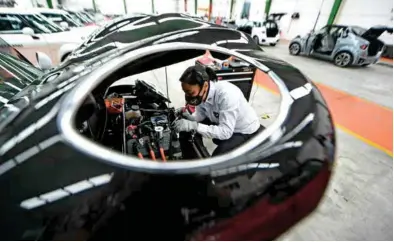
64	25
28	31
43	60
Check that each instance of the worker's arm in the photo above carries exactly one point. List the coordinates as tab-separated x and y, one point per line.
228	114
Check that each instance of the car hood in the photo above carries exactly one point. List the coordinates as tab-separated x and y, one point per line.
376	31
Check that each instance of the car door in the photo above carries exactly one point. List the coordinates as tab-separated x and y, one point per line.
11	30
313	38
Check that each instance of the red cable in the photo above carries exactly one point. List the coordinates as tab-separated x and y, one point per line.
163	157
152	154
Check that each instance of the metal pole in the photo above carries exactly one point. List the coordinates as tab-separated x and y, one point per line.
231	8
195	6
318	15
210	10
153	6
125	6
168	94
94	5
185	6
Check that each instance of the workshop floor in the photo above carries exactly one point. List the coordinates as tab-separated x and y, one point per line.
359	202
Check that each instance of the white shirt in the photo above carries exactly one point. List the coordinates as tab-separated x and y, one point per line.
227	107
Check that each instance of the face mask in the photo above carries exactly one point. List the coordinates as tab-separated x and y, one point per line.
194	100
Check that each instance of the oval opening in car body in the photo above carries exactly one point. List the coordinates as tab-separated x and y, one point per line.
236	157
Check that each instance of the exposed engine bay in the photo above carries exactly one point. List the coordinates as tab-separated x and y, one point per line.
138	122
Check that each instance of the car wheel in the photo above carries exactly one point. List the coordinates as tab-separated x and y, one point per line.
295	49
365	65
272	44
343	59
256	40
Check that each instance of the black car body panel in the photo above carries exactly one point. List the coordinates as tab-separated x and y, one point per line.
36	162
130	29
375	32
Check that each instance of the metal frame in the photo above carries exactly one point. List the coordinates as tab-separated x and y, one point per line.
73	100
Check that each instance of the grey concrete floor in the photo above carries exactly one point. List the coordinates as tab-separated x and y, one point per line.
374	83
358	204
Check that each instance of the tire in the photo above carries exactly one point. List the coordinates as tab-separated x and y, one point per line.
272	44
295	49
256	40
365	65
343	59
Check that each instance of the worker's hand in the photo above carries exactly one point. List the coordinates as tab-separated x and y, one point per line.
184	125
185	113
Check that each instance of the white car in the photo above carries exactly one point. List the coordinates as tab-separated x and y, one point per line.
60	17
29	32
264	32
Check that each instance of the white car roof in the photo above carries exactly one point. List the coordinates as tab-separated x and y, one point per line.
49	10
17	11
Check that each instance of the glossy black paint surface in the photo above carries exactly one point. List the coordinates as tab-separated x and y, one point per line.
146	206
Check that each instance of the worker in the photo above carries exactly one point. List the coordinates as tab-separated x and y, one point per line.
222	112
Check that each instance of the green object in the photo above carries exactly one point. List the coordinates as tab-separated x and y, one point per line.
125	6
94	5
153	6
267	7
334	11
49	2
195	6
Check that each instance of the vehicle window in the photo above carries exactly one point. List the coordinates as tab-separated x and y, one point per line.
270	25
15	75
333	30
76	18
84	18
339	32
58	18
42	23
87	16
27	20
323	30
249	24
11	24
358	30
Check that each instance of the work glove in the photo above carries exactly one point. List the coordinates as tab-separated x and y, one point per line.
184	125
185	113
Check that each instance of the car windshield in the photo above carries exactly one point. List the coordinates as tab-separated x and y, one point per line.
358	30
42	23
15	75
87	16
82	18
58	18
76	18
